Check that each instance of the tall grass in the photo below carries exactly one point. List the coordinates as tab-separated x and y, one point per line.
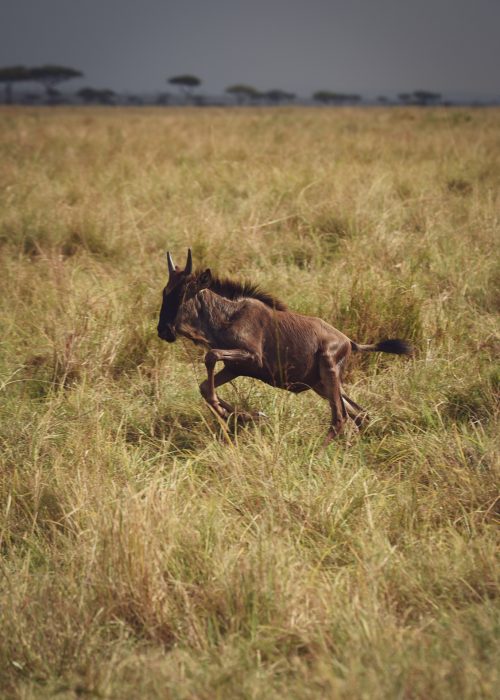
146	552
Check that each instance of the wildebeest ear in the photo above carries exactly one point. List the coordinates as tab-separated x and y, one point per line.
204	279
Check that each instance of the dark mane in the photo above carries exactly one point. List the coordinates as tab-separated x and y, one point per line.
237	290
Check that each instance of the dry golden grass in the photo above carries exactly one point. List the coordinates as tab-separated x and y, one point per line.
144	556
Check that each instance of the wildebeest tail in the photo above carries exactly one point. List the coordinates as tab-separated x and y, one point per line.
396	346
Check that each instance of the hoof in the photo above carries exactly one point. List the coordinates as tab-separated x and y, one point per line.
245	417
361	421
259	416
221	412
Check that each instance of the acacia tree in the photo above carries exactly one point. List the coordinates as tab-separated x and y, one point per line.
278	96
243	92
325	96
425	97
10	75
50	76
187	83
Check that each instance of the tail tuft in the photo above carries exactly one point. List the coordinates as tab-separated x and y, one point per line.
396	346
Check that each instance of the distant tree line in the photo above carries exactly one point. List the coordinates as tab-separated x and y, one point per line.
51	76
246	94
420	97
243	94
327	97
95	96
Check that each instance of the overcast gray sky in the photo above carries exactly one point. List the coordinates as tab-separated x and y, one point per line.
366	46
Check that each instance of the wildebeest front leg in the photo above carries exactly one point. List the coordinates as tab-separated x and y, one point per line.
225	375
207	387
330	378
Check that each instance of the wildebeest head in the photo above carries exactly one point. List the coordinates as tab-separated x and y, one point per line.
181	285
173	295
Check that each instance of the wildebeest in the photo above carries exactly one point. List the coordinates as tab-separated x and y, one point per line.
256	335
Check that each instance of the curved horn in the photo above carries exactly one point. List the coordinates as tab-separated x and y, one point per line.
189	263
171	266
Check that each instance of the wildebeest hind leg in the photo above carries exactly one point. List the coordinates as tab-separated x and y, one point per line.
320	390
351	412
330	379
355	411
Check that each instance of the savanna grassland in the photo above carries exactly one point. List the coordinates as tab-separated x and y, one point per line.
147	552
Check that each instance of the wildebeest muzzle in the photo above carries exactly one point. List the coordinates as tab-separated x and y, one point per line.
167	333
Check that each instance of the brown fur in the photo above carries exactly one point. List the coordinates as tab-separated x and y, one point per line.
255	335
